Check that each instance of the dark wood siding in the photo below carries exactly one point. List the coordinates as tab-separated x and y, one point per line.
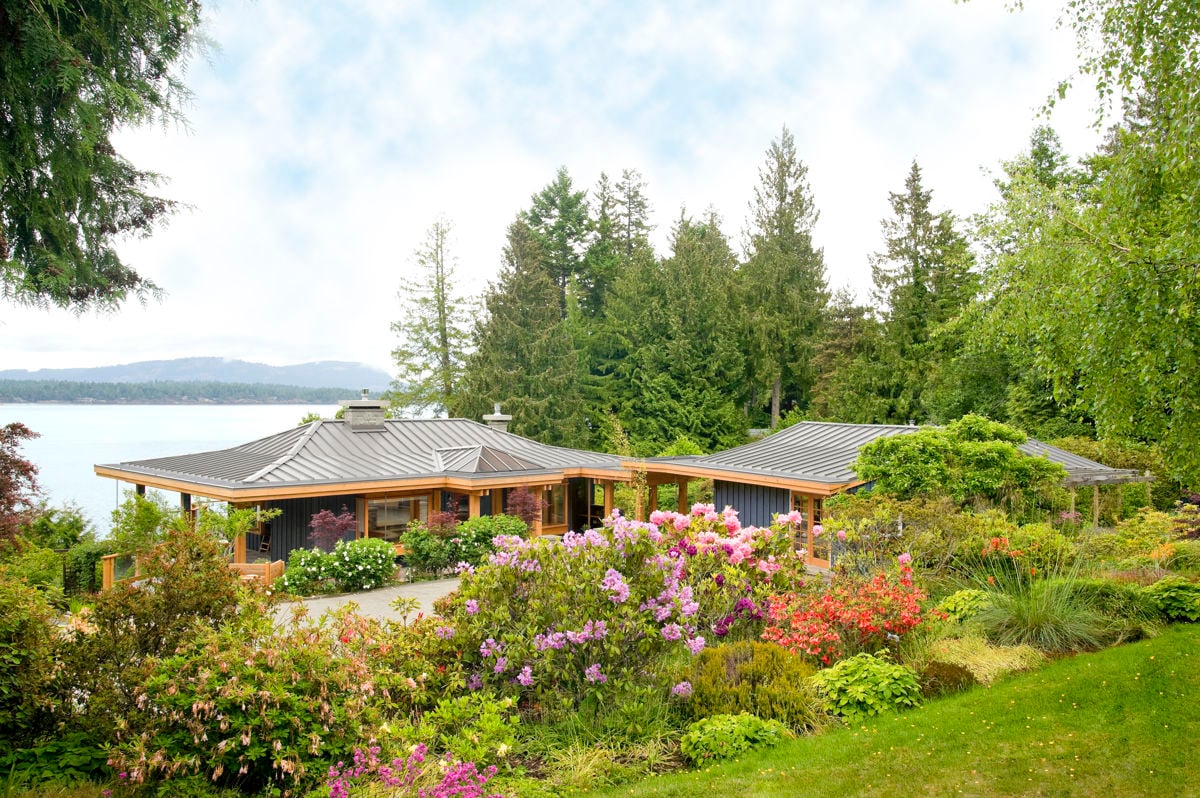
755	504
290	530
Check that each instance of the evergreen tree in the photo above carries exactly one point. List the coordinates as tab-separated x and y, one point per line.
523	356
783	280
558	219
432	330
602	260
70	75
633	214
923	278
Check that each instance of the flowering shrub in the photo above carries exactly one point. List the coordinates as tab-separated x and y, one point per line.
866	685
564	624
471	542
353	565
404	776
851	616
475	727
251	705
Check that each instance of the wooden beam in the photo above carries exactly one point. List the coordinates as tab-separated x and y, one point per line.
653	503
473	505
681	496
609	496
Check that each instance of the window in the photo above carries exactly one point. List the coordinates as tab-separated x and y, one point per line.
555	511
389	518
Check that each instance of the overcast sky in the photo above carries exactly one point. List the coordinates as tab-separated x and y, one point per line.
324	138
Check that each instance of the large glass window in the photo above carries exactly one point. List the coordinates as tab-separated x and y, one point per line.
555	511
389	518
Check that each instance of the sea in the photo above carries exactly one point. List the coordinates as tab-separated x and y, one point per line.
76	437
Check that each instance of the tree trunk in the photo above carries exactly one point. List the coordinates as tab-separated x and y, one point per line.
776	397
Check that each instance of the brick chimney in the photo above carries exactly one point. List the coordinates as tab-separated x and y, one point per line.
496	419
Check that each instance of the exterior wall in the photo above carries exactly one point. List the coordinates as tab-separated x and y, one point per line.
755	504
290	530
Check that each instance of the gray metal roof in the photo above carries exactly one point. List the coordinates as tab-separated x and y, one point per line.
331	452
822	452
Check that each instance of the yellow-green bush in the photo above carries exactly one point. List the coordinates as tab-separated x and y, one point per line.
762	679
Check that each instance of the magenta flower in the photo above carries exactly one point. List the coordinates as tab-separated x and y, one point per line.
672	632
683	690
592	674
444	632
525	677
695	645
472	606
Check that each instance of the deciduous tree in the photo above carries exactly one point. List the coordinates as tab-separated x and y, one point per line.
18	480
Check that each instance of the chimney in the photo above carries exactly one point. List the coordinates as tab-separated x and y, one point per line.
497	420
365	414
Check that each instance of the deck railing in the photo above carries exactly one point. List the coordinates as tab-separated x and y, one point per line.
118	568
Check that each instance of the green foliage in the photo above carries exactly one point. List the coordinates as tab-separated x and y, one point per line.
81	567
353	565
727	736
762	679
27	651
59	527
1177	598
70	758
866	685
362	564
962	605
1164	491
425	551
432	330
186	586
969	460
984	661
1053	615
249	705
73	78
37	566
141	521
472	541
476	728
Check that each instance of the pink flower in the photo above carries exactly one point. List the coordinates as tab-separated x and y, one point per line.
658	517
841	535
904	559
818	530
683	689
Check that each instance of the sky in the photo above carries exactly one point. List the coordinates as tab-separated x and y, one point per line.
323	139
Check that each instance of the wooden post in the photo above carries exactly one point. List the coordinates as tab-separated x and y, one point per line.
1073	492
653	503
360	515
107	571
473	504
609	496
1095	506
239	548
681	497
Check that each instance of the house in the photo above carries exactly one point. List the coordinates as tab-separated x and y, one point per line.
799	467
387	473
390	472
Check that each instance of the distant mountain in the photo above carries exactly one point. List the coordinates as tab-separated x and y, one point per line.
321	374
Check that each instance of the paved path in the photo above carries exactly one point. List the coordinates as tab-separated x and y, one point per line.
377	603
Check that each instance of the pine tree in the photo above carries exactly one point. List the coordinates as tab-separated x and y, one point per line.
783	281
432	330
523	356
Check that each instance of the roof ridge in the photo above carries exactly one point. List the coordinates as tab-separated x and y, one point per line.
296	447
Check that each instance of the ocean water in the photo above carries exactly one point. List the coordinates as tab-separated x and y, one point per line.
74	438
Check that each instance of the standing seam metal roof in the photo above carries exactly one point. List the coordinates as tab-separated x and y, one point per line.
329	451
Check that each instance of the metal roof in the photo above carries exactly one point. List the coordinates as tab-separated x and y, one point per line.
822	452
331	452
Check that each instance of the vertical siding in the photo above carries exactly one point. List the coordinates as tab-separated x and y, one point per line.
290	530
755	504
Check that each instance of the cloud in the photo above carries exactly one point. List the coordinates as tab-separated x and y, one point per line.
325	138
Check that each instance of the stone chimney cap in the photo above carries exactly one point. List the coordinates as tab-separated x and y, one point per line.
497	420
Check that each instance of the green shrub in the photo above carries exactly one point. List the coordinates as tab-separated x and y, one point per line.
186	586
762	679
425	551
27	643
866	685
1186	557
81	567
70	758
963	604
1122	601
308	572
726	736
36	566
251	705
362	564
475	728
1176	598
472	541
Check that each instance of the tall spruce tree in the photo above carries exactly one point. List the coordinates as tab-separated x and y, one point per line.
523	356
783	281
558	219
432	330
923	278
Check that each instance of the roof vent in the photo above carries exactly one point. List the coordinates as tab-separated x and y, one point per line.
497	420
365	415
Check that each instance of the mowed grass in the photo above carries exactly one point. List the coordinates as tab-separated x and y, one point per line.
1124	721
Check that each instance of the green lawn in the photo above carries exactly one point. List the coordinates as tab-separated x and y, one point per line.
1121	722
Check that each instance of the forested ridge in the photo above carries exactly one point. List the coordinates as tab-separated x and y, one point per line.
166	392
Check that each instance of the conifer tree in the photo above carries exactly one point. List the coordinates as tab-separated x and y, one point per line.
432	329
523	356
558	220
783	281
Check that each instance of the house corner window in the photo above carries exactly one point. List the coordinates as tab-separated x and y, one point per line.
555	511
